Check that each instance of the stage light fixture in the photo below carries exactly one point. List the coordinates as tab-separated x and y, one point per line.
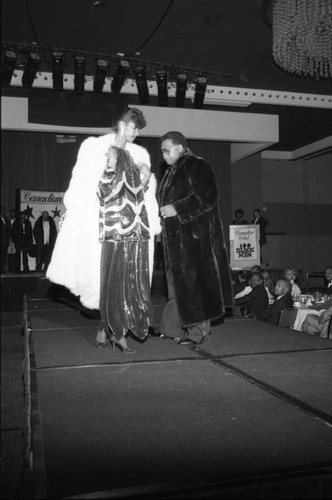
100	74
119	76
181	89
58	62
162	87
30	69
79	75
142	84
200	90
8	65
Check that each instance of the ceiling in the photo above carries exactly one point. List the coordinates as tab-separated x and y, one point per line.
228	39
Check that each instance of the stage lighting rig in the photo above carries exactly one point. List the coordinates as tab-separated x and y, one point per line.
181	89
200	90
142	84
162	87
58	62
30	68
8	65
119	76
102	67
79	75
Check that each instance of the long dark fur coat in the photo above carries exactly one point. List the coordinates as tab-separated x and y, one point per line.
194	245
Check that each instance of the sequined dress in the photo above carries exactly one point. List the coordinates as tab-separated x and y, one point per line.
125	300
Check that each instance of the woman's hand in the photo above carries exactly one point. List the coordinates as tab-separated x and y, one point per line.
145	173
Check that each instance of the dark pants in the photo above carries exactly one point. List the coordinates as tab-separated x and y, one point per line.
24	254
170	321
44	254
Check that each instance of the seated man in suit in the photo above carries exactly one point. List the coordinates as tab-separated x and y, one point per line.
316	324
282	301
257	300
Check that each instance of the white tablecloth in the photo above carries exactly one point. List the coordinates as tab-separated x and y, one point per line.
302	313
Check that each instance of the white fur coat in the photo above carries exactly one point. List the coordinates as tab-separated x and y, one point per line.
76	256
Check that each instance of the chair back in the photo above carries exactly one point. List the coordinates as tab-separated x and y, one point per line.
287	317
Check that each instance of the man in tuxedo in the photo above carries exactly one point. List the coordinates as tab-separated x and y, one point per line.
22	239
328	279
282	301
45	234
257	300
5	237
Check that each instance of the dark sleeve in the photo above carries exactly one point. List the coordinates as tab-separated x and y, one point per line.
29	234
246	298
14	232
203	195
272	310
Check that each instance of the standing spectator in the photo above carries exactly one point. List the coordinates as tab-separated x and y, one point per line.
239	218
5	238
22	238
197	268
283	300
45	234
11	246
258	219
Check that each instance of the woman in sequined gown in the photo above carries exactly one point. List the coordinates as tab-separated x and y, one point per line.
125	301
104	250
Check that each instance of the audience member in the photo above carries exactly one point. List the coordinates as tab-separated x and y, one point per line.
257	300
5	238
258	219
239	218
292	275
256	269
269	286
328	279
282	301
45	234
242	283
11	246
22	238
315	324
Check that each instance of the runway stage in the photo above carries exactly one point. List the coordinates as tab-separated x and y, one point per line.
246	415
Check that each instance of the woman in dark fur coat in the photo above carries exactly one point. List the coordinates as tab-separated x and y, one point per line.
198	274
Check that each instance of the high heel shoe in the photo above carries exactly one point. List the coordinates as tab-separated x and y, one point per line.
98	344
121	344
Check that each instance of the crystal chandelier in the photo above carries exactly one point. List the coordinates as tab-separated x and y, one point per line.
302	36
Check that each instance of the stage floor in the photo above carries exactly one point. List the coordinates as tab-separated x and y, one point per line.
246	415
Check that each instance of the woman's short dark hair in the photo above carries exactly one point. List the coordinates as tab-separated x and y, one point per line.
239	211
176	138
136	116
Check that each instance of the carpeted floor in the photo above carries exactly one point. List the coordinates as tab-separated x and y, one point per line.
248	412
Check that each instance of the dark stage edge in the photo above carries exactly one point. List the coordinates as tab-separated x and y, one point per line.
247	415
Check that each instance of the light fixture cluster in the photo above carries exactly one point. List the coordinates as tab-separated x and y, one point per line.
115	67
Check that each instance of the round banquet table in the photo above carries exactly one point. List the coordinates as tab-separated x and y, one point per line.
302	313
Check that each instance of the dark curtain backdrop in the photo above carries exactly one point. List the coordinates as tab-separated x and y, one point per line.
37	160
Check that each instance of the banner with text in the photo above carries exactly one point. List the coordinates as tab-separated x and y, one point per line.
244	246
33	203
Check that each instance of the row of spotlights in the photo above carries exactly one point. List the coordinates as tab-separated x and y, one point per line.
102	68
